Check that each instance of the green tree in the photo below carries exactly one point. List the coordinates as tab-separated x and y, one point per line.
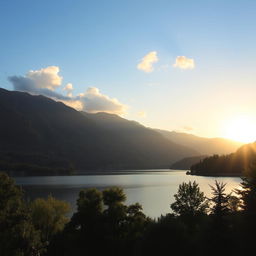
114	199
89	209
113	196
189	200
136	221
49	216
103	219
17	234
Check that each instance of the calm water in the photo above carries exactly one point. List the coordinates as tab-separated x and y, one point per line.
153	190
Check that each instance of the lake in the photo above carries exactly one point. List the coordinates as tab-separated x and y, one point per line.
154	189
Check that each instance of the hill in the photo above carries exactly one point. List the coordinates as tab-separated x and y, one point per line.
38	131
187	162
205	146
234	164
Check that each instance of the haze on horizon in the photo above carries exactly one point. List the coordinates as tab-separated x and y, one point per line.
177	65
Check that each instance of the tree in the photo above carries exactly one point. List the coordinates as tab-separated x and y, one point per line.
89	209
113	196
247	192
49	216
220	200
233	203
189	200
17	234
114	199
103	224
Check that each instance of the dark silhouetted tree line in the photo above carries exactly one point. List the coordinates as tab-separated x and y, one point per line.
226	165
103	224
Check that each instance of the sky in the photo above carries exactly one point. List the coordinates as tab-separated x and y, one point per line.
178	65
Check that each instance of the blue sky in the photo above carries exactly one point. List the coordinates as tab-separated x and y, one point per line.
100	43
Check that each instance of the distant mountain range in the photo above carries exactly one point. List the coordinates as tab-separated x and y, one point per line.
205	146
37	133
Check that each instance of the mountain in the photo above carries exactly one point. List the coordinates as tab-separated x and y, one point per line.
187	162
38	131
234	164
205	146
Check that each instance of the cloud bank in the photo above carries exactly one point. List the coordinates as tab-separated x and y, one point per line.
94	101
141	114
26	84
183	62
46	80
147	62
188	128
46	77
69	88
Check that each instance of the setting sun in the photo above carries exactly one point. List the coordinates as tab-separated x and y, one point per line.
241	128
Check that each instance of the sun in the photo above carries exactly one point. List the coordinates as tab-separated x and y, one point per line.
241	128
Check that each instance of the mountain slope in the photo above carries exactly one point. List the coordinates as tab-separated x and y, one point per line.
205	146
234	164
187	162
38	130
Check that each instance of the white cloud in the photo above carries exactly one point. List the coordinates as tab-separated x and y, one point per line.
74	103
25	84
147	62
142	114
69	88
184	63
46	80
94	101
188	128
46	77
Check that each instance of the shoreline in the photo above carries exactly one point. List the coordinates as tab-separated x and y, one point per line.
101	172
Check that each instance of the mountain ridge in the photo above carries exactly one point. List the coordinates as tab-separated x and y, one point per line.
205	146
39	130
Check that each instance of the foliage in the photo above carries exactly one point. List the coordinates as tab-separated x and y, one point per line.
102	216
49	216
247	192
189	200
234	203
17	234
104	224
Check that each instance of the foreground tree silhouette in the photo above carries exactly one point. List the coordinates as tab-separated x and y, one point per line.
17	234
247	192
89	209
218	228
220	200
115	212
189	200
103	224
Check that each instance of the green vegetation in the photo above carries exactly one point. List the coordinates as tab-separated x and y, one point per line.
49	216
104	225
18	236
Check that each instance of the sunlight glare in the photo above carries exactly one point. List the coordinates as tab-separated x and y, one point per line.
241	128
